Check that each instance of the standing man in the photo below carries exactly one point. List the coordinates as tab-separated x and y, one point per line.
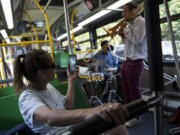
134	37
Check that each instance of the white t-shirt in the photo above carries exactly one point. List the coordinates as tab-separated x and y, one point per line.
135	40
31	99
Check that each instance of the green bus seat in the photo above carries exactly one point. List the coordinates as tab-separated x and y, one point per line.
61	59
7	91
9	113
81	100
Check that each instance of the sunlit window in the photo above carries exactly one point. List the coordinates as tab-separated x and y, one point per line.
82	42
84	45
174	8
101	32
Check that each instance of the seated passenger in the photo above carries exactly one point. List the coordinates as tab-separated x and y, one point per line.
66	49
43	108
105	57
25	49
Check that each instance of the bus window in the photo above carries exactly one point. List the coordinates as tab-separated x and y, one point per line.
83	41
102	35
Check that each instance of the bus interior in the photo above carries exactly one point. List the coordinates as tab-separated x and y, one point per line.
66	28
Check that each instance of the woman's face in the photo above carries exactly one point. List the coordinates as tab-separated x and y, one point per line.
51	74
49	71
89	4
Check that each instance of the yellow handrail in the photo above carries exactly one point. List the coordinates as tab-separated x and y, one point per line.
26	42
73	37
79	52
2	72
20	36
47	25
34	28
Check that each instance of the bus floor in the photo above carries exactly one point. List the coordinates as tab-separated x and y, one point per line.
147	126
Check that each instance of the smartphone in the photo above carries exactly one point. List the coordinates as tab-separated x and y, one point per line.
72	63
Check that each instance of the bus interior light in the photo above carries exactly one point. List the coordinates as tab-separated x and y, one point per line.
7	9
74	30
4	35
101	13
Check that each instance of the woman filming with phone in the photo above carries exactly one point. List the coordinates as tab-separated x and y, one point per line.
43	108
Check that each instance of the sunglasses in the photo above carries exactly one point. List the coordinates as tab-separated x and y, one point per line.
52	66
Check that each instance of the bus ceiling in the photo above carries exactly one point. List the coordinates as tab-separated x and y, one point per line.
55	14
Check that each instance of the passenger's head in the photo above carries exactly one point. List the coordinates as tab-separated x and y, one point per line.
24	39
104	46
89	4
129	9
37	67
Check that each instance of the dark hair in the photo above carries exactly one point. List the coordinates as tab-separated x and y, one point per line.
131	5
105	42
27	65
93	2
25	39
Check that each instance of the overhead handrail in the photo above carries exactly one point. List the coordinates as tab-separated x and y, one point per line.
40	41
26	42
20	36
34	28
47	26
49	1
172	42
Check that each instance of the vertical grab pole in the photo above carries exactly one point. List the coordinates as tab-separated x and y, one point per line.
172	42
66	14
153	32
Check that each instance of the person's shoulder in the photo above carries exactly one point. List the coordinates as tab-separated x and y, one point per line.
100	52
27	93
109	53
51	88
138	22
140	19
97	54
19	51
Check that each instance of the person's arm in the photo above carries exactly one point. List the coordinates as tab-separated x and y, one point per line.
115	112
70	91
115	64
60	117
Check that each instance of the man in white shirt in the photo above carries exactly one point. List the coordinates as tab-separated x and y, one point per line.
133	35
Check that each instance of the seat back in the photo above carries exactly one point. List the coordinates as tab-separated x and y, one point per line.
6	91
9	114
81	100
